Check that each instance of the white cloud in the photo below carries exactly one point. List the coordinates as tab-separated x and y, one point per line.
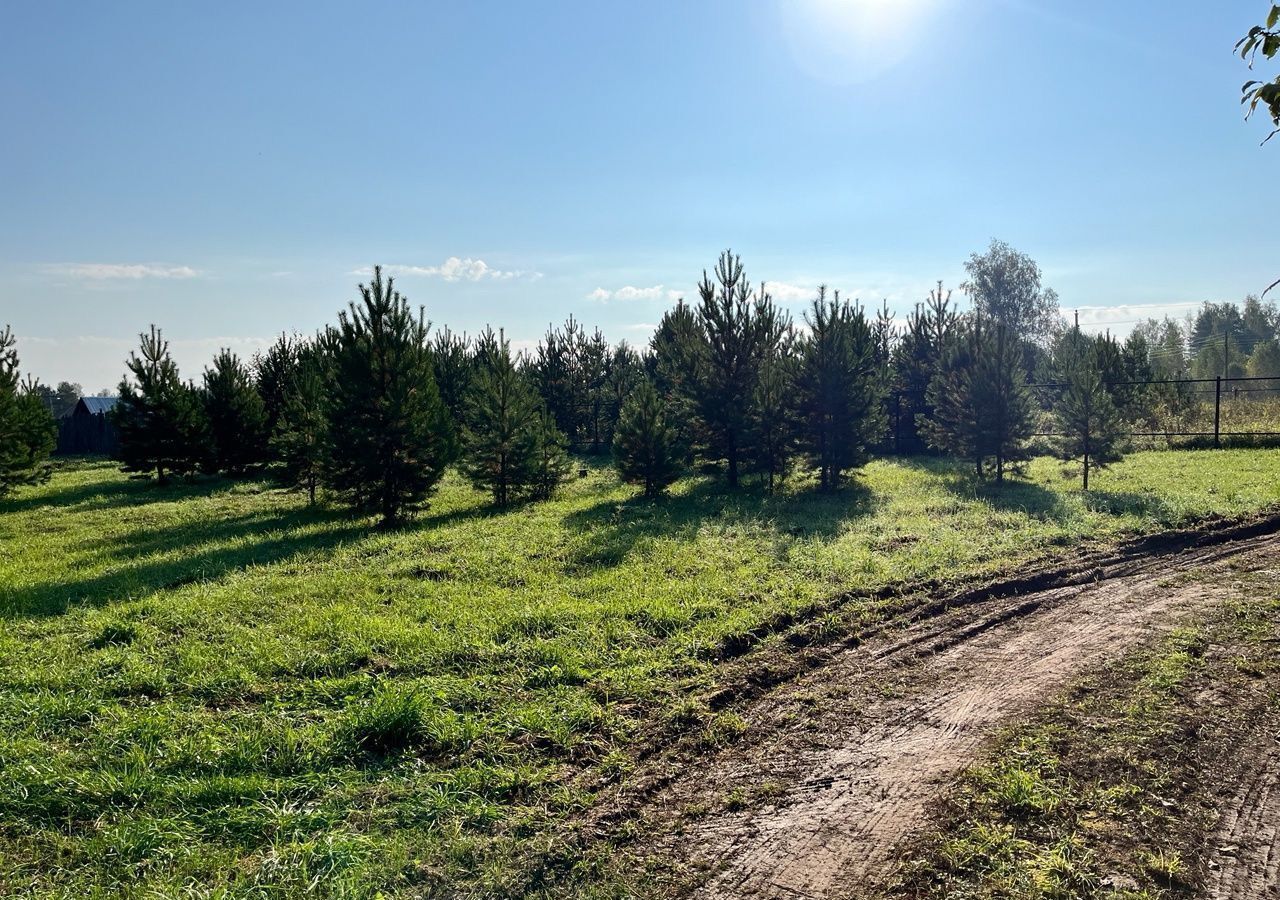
457	269
115	271
1121	319
785	292
642	326
657	292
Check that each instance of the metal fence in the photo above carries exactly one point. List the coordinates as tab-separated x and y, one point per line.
1206	411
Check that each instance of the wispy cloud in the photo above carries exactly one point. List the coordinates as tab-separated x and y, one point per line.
657	292
120	271
457	268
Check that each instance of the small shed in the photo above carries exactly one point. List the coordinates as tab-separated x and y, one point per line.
87	428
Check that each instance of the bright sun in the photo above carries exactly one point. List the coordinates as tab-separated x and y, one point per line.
852	41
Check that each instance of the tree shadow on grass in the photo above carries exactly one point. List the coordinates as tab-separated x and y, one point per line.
116	492
609	531
201	551
1016	494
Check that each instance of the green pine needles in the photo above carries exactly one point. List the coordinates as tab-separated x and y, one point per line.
982	409
160	418
837	390
27	430
513	448
390	437
646	447
1091	427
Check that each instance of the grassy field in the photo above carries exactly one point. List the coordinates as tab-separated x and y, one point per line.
210	690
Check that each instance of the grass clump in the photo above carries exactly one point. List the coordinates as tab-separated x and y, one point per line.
401	718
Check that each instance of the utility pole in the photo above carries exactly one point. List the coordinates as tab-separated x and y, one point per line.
1226	348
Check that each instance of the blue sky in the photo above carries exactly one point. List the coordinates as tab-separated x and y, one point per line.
226	171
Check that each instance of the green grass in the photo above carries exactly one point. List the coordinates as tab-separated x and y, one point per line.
210	690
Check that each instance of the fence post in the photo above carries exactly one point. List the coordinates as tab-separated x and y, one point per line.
897	423
1217	411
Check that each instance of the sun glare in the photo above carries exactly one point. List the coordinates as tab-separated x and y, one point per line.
852	41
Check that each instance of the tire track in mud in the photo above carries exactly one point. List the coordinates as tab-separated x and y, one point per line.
851	775
1245	850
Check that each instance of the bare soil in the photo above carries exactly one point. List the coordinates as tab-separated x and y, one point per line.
840	767
1245	850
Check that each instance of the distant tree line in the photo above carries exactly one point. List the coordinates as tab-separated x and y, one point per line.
376	407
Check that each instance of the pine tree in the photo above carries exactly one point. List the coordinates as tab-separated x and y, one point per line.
300	439
236	415
27	429
982	410
624	372
1090	427
550	464
675	362
740	328
838	397
594	355
916	359
1008	413
773	419
501	436
159	419
390	438
556	372
452	365
273	372
646	449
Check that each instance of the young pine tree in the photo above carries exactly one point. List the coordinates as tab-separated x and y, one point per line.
236	415
390	438
625	372
916	359
773	419
550	465
838	398
451	362
595	354
27	429
982	410
646	447
675	363
740	329
273	372
1091	428
159	419
300	439
503	438
557	376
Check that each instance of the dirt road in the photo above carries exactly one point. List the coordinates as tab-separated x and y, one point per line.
840	766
